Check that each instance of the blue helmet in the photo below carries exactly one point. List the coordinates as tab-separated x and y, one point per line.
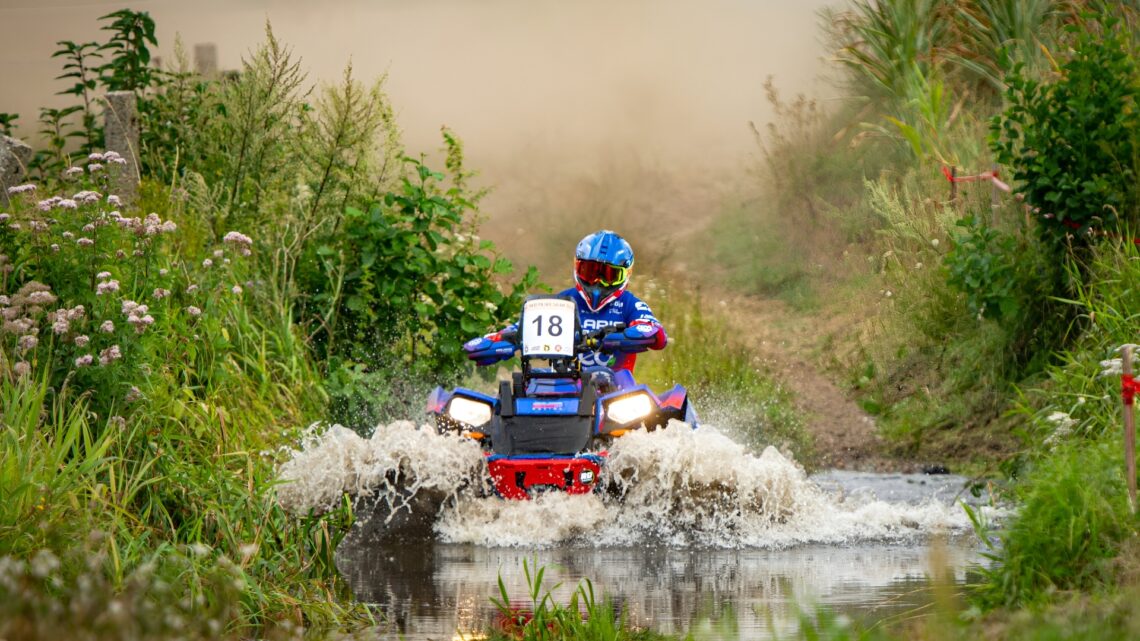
602	263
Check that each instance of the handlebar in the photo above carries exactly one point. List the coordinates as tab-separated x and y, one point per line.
593	340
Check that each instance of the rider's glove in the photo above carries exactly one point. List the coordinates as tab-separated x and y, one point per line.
485	351
635	338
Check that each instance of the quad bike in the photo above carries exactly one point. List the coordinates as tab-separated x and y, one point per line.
548	427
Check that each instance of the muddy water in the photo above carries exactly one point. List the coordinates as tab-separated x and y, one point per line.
697	533
433	590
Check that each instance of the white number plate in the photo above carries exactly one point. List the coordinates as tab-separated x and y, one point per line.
548	327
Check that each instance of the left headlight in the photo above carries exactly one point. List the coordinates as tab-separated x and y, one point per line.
629	408
468	411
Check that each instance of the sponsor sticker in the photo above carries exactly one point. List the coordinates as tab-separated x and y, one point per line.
540	406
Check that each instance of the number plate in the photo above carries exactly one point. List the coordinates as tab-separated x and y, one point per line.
548	327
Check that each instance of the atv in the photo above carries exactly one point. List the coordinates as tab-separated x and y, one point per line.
549	426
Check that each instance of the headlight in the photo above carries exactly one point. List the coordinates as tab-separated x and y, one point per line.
630	408
465	410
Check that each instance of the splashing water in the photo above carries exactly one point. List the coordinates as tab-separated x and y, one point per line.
399	462
676	486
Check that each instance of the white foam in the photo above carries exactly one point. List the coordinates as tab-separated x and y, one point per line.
675	486
398	461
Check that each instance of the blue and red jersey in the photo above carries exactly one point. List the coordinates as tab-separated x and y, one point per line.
627	309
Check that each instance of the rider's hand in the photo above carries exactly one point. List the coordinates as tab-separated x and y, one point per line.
485	351
635	338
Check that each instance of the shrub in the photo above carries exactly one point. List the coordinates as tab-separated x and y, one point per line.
1071	142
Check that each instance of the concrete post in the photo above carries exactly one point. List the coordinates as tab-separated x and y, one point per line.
206	59
121	131
14	159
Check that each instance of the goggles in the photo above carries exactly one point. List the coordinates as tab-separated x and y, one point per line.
592	272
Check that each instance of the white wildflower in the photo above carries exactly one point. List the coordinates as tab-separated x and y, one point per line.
114	201
236	289
106	287
237	239
1062	426
44	564
84	361
207	263
21	189
94	167
27	342
82	340
85	242
193	311
110	355
67	203
41	298
107	327
1112	367
22	368
161	293
103	275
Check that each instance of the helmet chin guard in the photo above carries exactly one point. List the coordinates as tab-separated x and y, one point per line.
597	296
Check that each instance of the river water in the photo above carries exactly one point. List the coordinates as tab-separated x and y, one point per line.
707	537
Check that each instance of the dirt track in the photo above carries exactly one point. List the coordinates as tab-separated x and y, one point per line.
790	344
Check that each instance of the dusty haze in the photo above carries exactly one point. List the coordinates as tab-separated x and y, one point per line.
628	114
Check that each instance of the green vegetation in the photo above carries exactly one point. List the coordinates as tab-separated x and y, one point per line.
725	380
157	353
542	618
994	319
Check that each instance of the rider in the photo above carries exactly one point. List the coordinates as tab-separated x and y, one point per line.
602	263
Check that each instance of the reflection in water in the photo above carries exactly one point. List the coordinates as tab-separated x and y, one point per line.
433	590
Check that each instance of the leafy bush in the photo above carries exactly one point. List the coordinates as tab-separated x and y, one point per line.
403	279
1071	142
983	264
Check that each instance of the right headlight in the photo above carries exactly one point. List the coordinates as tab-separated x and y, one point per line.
469	412
629	408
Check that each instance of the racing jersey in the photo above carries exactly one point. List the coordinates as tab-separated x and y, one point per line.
628	309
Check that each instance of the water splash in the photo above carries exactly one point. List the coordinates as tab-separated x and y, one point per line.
675	486
399	462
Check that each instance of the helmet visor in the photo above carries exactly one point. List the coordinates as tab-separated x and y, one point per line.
592	272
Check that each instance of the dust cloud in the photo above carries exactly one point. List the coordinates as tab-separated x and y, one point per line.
626	114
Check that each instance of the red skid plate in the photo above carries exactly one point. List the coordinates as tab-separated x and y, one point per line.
519	479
